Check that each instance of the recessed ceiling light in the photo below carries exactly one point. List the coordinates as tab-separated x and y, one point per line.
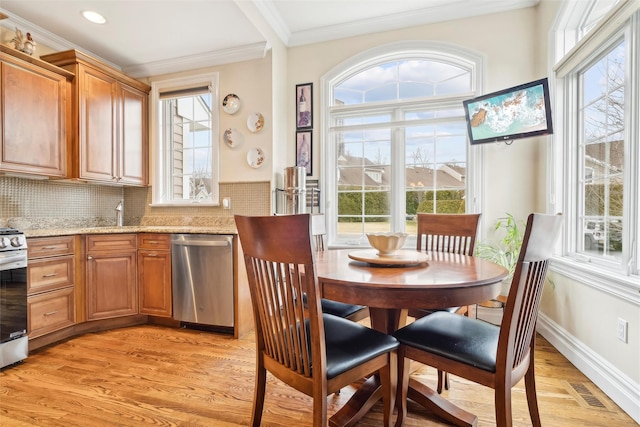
94	17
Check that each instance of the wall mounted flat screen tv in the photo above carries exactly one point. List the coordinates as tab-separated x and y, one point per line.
521	111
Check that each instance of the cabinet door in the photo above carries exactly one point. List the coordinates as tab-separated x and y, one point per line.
34	114
133	144
97	125
154	282
111	285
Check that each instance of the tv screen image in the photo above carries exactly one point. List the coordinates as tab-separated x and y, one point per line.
518	112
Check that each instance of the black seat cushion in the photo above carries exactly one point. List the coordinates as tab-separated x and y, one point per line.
456	337
339	309
350	344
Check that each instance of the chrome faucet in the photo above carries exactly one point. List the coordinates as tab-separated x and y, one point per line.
119	214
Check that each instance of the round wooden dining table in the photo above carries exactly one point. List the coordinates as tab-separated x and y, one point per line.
389	290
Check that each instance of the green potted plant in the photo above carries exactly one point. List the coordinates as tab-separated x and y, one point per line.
505	247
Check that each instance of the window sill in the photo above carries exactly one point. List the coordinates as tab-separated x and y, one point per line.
624	287
191	204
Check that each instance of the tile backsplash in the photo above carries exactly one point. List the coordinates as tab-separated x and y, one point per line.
35	204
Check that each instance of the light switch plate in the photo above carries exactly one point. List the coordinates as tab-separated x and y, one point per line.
622	330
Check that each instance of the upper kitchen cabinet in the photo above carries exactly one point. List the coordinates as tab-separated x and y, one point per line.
111	118
35	110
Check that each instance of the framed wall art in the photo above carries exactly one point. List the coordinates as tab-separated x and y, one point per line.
304	106
303	150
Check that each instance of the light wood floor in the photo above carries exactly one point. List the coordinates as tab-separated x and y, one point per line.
153	375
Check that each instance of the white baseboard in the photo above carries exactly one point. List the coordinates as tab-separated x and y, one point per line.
615	384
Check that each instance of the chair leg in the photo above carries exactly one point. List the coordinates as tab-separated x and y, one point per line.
319	406
403	387
503	405
443	380
532	399
389	381
259	393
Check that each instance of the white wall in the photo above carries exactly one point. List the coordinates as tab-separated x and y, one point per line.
507	40
251	81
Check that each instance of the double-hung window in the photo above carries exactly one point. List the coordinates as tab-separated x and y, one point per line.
596	155
395	140
184	137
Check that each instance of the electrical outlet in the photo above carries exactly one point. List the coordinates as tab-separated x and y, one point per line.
226	202
622	330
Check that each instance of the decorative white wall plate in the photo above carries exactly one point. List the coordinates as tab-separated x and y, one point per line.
255	157
255	122
231	103
232	137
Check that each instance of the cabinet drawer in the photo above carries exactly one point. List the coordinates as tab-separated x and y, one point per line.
50	246
111	242
50	311
47	274
153	241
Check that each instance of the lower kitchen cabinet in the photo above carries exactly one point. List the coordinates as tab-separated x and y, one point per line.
154	274
50	311
93	282
111	276
50	284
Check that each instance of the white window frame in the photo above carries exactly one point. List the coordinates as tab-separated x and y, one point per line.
158	152
620	279
426	50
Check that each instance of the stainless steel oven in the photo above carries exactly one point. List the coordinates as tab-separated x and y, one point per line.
14	343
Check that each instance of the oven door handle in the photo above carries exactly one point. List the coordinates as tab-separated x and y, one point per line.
10	261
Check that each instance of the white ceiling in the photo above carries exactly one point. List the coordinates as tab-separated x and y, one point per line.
152	37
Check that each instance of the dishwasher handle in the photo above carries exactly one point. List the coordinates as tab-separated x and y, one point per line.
217	243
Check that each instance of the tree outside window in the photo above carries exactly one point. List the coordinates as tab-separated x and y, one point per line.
398	145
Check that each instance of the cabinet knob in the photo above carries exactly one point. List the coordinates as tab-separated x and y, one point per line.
89	258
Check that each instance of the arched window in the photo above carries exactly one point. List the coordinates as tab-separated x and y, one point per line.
394	138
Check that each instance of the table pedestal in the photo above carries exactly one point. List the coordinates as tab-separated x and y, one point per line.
388	321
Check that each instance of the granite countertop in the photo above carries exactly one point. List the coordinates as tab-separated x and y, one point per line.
173	229
171	225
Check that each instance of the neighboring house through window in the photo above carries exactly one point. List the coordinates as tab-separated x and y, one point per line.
184	137
394	138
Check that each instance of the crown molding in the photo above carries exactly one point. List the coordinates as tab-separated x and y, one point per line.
273	18
275	21
208	59
451	11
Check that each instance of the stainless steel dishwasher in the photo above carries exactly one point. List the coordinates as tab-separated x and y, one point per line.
202	274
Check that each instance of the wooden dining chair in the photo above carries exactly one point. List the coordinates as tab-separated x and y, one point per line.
451	233
353	312
494	356
313	352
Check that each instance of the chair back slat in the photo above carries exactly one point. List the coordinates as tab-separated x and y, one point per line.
452	244
453	233
523	303
286	329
